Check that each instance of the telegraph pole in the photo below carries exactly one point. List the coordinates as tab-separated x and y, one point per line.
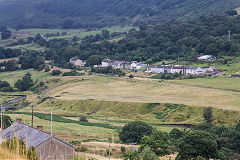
51	124
32	115
229	35
1	117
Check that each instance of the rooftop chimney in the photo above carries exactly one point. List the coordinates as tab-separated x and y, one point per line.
40	128
19	120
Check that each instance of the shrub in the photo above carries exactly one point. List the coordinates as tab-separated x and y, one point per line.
131	76
208	114
71	73
81	149
47	69
123	149
31	154
56	72
147	154
83	118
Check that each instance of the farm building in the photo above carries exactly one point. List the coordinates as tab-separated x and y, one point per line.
47	147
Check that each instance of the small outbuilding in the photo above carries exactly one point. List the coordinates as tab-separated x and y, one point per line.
47	147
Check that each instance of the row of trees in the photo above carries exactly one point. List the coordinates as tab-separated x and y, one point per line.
25	61
9	53
204	141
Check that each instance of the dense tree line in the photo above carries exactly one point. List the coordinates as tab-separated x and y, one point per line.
174	40
9	53
32	60
105	13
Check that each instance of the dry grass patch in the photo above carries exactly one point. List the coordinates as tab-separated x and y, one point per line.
115	89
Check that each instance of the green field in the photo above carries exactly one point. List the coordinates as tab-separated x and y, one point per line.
31	46
12	77
73	32
213	82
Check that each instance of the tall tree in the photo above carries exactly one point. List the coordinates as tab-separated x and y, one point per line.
134	131
25	83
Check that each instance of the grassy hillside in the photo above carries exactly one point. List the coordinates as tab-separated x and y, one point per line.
94	13
146	91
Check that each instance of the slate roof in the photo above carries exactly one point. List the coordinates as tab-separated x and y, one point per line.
31	136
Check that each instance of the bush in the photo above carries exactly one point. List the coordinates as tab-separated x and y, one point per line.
56	72
107	153
83	118
81	149
71	73
147	154
47	69
131	76
208	114
123	149
31	154
134	131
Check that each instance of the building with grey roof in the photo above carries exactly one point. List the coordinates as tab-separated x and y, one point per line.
47	147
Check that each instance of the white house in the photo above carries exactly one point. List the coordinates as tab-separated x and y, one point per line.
116	64
206	58
106	63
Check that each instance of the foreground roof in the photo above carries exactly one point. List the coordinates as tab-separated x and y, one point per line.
30	135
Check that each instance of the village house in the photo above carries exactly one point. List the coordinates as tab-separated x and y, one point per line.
77	62
180	69
116	64
47	147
